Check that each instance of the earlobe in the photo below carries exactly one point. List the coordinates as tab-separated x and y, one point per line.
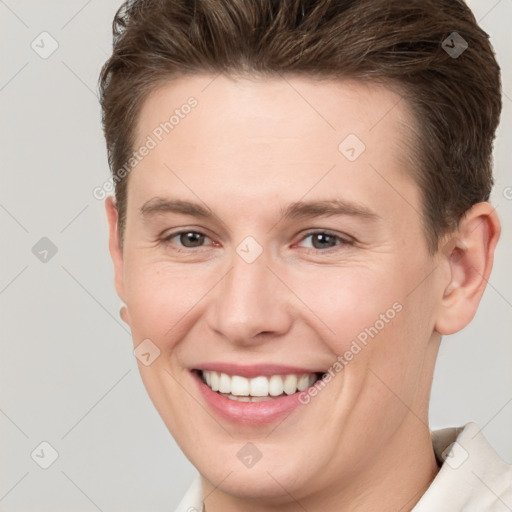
115	249
123	313
468	257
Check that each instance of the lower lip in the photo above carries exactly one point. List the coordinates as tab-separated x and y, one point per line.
248	413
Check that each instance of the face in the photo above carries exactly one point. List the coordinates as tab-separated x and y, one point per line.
274	231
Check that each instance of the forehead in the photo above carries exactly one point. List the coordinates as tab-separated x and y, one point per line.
289	107
246	137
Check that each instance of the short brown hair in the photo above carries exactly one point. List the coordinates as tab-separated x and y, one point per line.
456	101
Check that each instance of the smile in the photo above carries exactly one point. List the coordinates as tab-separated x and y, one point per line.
259	398
258	389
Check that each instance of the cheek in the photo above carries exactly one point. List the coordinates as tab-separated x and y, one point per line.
350	304
160	298
369	317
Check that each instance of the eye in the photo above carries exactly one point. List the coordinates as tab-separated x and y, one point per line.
322	240
187	238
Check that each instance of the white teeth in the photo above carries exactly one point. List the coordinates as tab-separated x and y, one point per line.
258	386
248	398
303	382
290	384
239	398
224	383
214	378
239	386
258	389
275	385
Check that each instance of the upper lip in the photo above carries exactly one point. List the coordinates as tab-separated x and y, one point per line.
254	370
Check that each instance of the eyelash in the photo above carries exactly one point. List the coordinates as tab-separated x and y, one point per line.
342	241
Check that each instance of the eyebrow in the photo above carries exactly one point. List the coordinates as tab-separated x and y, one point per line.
299	209
158	205
325	208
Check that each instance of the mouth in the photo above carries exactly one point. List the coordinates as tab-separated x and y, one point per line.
255	395
257	389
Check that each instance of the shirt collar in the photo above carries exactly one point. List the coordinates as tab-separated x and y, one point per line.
472	475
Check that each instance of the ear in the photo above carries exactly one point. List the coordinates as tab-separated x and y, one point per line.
114	245
468	257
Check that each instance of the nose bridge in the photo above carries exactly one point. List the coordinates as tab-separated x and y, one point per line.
248	300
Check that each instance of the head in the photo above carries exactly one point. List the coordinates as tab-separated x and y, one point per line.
339	161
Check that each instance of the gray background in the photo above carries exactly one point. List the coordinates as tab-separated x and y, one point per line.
68	374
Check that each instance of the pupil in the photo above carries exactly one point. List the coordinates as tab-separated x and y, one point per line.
191	239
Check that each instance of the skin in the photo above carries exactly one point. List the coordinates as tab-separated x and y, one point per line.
248	149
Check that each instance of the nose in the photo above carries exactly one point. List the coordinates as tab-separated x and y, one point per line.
250	304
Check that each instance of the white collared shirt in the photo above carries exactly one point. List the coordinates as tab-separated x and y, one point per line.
472	478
